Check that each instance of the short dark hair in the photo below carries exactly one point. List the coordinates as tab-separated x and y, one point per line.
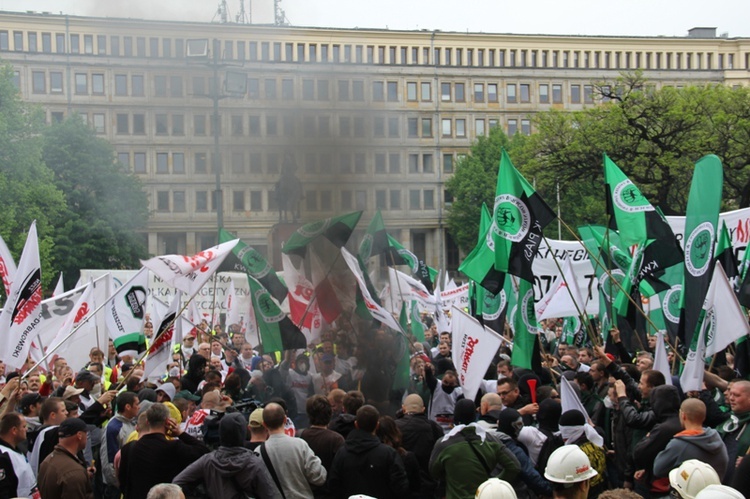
353	400
274	416
654	378
512	385
10	421
319	410
584	378
367	418
125	398
50	405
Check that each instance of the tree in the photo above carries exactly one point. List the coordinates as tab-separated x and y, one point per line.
106	206
27	189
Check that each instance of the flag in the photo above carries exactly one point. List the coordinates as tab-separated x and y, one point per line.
479	265
725	253
473	348
525	326
417	328
563	298
189	273
277	332
325	294
59	289
701	221
22	313
401	376
302	307
76	347
7	266
476	291
630	212
231	305
725	321
377	312
661	363
160	350
396	254
336	229
375	240
569	398
125	314
691	378
247	259
573	331
406	288
519	215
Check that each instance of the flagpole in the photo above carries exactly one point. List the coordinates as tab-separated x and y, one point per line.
315	292
620	288
551	373
610	299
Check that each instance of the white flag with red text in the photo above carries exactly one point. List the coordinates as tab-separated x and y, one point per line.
22	313
75	349
160	349
7	266
189	273
473	348
231	305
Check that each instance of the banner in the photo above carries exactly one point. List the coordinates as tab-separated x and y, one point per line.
473	348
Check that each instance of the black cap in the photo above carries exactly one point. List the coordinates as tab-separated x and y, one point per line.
465	412
70	427
28	400
572	417
84	376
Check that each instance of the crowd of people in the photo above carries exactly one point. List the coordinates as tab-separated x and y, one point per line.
228	420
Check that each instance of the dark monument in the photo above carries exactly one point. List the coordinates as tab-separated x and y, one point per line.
288	191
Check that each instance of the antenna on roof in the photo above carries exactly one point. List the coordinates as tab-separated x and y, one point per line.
279	15
222	11
242	16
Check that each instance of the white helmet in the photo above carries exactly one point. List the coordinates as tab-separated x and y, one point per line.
494	488
691	477
569	464
714	491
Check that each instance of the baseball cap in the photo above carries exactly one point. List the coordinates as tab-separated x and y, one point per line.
70	427
186	394
84	376
71	391
256	418
29	399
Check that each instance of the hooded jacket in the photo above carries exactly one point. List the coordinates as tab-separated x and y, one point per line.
231	471
707	447
665	400
366	466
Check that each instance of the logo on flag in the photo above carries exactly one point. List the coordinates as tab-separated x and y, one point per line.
136	299
629	199
671	303
512	219
410	259
494	305
365	247
267	307
605	285
698	249
528	311
254	261
314	229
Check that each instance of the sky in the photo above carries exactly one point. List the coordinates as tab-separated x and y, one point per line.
565	17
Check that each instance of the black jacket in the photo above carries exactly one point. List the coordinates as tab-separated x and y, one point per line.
419	435
665	401
343	424
366	466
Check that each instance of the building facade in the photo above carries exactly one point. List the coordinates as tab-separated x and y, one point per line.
367	119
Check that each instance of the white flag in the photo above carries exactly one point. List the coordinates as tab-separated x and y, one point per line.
456	295
726	322
189	273
125	314
406	288
76	348
160	350
691	378
473	348
7	266
59	289
233	308
22	313
661	363
569	398
378	312
563	298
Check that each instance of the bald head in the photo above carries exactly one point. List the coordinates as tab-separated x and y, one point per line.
274	416
694	411
490	402
211	399
413	404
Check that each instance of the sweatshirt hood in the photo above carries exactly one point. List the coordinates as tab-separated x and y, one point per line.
665	401
359	441
232	430
709	440
230	461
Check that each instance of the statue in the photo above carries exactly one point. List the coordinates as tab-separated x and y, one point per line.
288	191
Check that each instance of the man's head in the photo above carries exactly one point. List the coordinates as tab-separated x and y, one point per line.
274	417
34	382
127	404
450	378
444	349
353	400
562	348
212	400
53	411
327	363
204	350
445	337
739	397
570	362
157	416
336	399
318	410
692	413
13	428
645	362
650	379
598	372
504	369
507	389
216	347
73	434
215	363
246	351
465	412
96	355
585	356
585	381
570	472
31	404
189	341
490	402
413	404
165	491
367	419
232	430
87	380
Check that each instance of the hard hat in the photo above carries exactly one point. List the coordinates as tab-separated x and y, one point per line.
494	488
569	464
714	491
691	477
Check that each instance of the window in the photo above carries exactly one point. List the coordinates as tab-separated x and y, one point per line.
323	90
414	199
201	201
380	199
140	46
238	125
575	94
199	124
447	163
82	83
38	82
378	126
308	89
445	92
47	43
588	94
426	127
343	90
254	126
136	82
358	90
377	91
256	162
411	90
346	200
121	85
153	47
394	131
256	200
429	199
446	127
460	92
395	196
426	91
272	128
123	127
479	127
479	92
160	86
127	43
175	86
287	89
139	162
412	126
59	43
525	92
178	162
392	91
379	163
200	162
75	44
510	88
311	200
512	127
32	42
88	44
460	128
359	126
345	125
166	47
162	201
97	84
413	163
139	124
161	124
427	163
394	163
526	127
557	93
544	94
238	200
162	162
124	159
99	122
492	92
178	124
4	41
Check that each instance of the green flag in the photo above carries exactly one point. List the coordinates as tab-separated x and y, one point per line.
247	259
417	328
526	327
336	229
519	215
277	331
375	240
479	266
476	291
725	253
704	202
629	211
398	255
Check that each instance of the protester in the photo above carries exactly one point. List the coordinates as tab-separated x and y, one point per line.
115	435
570	472
323	442
62	475
17	476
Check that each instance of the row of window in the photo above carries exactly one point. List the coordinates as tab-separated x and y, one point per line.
243	50
243	200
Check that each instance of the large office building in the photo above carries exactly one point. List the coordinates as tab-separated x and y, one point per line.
366	119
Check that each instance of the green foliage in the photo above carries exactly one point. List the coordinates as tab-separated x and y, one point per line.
106	206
